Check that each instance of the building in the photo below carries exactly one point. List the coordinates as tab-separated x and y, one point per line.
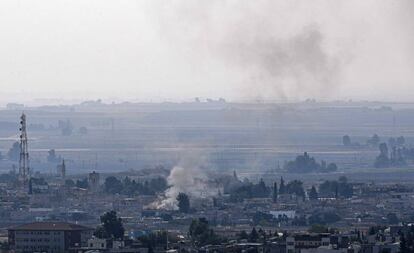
61	170
50	237
94	181
297	243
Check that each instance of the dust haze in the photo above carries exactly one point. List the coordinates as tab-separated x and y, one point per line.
178	50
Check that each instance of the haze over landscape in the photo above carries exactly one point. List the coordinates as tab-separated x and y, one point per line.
197	126
178	50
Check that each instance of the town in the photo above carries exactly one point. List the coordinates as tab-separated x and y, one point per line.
192	210
206	126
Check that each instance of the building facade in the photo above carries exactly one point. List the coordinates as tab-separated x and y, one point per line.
50	237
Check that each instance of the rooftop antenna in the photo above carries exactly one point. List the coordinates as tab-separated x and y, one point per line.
24	152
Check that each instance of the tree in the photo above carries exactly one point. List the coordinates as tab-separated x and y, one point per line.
158	184
243	235
111	227
282	187
101	233
346	140
306	164
302	164
295	187
403	244
323	217
261	218
183	202
82	183
400	141
52	157
343	179
83	130
69	183
382	161
392	142
155	239
113	185
317	228
344	189
14	152
374	140
383	148
332	167
66	127
260	190
201	234
313	194
392	218
274	195
253	235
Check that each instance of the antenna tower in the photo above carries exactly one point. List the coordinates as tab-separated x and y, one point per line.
24	152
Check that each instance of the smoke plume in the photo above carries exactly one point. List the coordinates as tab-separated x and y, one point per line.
275	58
189	177
191	181
276	49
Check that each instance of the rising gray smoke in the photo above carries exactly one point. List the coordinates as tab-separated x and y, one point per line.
191	181
294	49
283	67
275	61
188	177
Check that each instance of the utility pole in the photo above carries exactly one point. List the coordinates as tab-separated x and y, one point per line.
24	153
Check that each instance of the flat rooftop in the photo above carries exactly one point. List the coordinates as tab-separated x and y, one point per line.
50	226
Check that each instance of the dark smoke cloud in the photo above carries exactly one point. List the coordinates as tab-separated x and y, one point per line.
274	62
296	65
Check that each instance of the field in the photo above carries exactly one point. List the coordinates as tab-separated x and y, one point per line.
250	138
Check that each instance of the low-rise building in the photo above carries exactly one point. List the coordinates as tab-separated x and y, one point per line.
50	237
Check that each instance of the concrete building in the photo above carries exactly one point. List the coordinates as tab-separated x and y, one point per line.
297	243
50	237
93	179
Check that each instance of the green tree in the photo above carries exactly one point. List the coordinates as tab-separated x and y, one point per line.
113	185
317	228
243	235
382	160
313	194
52	157
295	187
111	226
260	190
282	188
401	141
403	244
254	236
392	218
69	183
274	195
374	140
83	183
201	234
346	140
183	202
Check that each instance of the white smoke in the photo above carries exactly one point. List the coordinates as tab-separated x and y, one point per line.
192	181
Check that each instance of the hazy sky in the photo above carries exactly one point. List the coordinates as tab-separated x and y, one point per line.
179	49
